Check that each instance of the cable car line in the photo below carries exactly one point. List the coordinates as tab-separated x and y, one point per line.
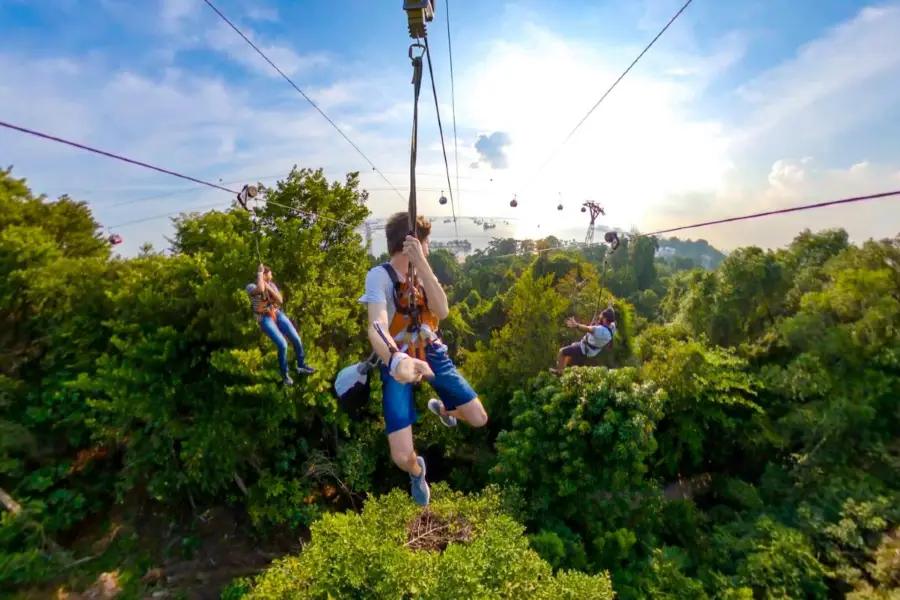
441	130
302	93
611	88
453	99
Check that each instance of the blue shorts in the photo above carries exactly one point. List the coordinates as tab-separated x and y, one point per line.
451	387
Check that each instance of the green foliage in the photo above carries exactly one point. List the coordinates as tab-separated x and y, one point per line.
579	449
367	555
711	415
534	315
23	558
738	441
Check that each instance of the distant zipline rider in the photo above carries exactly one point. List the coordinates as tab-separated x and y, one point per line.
598	336
266	301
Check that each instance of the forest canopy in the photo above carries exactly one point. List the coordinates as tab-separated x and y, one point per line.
739	439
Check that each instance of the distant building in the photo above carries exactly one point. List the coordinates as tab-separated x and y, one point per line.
706	261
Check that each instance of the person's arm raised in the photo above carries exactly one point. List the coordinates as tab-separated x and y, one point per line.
437	298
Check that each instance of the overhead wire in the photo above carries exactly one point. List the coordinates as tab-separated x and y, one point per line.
758	215
611	88
178	192
163	215
266	178
774	212
138	163
301	92
225	189
437	110
453	99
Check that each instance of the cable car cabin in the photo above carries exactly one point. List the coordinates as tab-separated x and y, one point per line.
583	209
443	199
559	207
514	203
114	239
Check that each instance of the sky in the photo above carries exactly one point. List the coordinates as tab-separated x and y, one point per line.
739	107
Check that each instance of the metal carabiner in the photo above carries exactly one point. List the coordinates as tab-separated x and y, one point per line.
416	63
419	45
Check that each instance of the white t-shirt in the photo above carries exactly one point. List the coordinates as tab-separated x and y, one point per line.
380	290
598	337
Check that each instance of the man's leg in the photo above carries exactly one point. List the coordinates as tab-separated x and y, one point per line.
268	325
566	354
457	398
399	415
288	329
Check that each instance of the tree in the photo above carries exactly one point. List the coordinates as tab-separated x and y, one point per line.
443	263
579	449
460	547
526	345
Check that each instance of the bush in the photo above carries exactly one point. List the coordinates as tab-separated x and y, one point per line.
460	547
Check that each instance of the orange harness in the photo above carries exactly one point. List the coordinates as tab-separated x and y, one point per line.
418	322
265	307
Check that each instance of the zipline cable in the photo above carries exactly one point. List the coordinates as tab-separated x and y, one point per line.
437	110
775	212
611	88
138	163
413	220
452	101
768	213
163	216
268	177
115	156
301	92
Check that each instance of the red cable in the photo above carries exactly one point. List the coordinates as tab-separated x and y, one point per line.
116	156
775	212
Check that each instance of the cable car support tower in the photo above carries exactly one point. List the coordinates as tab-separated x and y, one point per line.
596	210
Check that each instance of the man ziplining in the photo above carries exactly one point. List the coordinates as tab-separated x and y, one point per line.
598	336
266	301
413	350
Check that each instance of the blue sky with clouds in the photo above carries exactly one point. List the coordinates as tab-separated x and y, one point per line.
739	107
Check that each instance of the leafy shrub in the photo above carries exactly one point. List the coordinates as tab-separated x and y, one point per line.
369	556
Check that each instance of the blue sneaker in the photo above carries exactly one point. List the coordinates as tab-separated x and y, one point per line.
287	380
434	405
305	369
421	493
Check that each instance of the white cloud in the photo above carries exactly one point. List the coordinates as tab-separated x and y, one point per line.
224	39
790	184
262	13
173	12
202	127
654	163
635	148
645	154
834	84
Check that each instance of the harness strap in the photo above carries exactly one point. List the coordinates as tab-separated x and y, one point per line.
265	307
415	347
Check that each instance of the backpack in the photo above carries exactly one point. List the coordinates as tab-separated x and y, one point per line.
352	386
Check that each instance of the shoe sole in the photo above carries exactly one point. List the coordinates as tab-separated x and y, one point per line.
441	417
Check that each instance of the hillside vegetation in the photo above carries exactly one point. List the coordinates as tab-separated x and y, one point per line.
739	440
